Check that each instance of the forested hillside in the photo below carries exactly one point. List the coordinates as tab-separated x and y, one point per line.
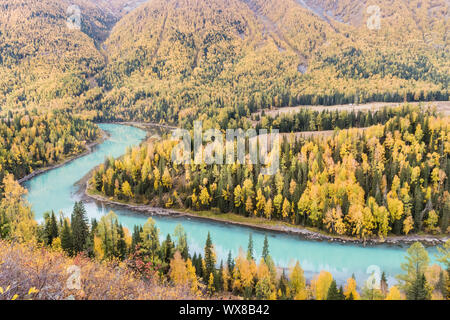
29	141
172	61
41	59
390	178
64	258
230	58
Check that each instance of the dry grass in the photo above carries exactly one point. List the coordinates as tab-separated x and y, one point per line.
26	266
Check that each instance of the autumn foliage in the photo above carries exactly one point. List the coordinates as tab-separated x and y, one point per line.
24	266
390	178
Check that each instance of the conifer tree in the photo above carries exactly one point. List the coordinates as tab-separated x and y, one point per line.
265	252
219	279
210	259
136	237
121	244
341	293
419	289
283	285
250	248
167	249
50	229
333	292
66	238
80	229
230	263
384	284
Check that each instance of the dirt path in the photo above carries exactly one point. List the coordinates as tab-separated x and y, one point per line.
273	32
160	36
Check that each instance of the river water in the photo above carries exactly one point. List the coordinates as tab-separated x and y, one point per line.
56	190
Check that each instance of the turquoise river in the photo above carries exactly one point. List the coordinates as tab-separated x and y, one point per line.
57	190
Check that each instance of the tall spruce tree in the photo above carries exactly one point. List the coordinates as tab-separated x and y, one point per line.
265	252
136	237
210	260
121	244
66	238
167	249
218	281
80	228
283	285
419	289
50	229
333	292
250	247
230	263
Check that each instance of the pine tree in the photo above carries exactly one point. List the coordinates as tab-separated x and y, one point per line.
219	279
121	244
94	225
136	237
441	286
341	293
50	229
448	284
250	247
230	263
283	284
265	252
80	229
66	238
333	292
167	249
419	289
210	259
198	265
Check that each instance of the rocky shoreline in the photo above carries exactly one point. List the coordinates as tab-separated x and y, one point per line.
426	240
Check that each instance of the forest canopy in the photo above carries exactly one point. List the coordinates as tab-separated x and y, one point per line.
173	61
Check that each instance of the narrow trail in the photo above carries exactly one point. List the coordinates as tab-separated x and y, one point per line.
272	30
160	36
102	49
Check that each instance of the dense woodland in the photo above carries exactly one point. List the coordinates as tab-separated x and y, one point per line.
118	264
32	140
44	62
175	61
390	178
222	62
227	59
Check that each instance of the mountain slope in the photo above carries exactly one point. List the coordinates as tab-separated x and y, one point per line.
177	52
41	58
174	60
